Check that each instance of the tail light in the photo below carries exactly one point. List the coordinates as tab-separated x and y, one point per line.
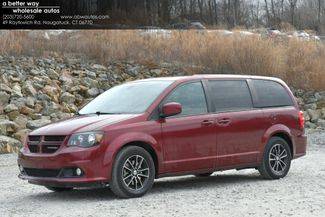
301	119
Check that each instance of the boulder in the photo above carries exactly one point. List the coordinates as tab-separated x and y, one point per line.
21	134
28	89
90	83
12	115
67	98
34	72
9	145
321	123
50	107
30	102
8	127
91	74
16	91
4	98
26	110
21	121
310	125
53	74
9	108
320	104
99	67
92	92
323	113
5	88
34	124
314	115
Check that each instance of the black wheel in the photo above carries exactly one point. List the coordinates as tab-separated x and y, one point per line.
133	172
203	175
58	189
276	159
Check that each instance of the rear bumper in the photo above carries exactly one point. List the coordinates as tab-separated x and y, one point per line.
89	160
300	146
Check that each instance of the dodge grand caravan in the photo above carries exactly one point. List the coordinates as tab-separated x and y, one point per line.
146	129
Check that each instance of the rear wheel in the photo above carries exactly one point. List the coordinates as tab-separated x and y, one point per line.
276	159
203	175
133	172
58	189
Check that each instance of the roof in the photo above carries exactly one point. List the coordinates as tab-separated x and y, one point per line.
209	76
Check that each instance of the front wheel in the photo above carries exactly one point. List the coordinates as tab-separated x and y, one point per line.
133	172
276	159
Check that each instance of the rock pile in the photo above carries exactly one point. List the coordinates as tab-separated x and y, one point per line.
37	91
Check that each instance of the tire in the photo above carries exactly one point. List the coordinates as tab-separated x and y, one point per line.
58	189
203	175
133	172
276	159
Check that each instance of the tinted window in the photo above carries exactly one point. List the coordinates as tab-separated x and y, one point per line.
270	94
192	98
230	95
134	97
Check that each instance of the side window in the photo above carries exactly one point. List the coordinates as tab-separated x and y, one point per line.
271	94
230	95
192	98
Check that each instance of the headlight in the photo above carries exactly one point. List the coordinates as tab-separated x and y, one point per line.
85	139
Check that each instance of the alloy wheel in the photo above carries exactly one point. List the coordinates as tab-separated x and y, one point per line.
278	159
135	172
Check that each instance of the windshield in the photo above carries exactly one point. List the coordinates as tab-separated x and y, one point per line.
129	98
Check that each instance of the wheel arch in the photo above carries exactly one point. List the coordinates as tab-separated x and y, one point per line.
281	131
285	137
144	141
146	147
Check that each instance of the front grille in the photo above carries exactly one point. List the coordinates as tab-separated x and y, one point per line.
50	173
54	138
50	148
44	144
34	138
33	148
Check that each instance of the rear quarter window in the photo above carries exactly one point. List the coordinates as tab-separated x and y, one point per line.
270	94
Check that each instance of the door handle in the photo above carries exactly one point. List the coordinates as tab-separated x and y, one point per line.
207	122
224	121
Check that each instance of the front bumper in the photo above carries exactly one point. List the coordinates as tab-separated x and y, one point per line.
89	160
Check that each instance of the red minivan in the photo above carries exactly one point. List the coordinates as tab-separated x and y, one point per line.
146	129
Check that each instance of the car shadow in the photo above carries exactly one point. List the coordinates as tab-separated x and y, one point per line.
191	182
160	186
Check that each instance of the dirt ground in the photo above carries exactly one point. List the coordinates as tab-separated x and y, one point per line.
230	193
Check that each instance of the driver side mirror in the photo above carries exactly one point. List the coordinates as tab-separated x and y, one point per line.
170	109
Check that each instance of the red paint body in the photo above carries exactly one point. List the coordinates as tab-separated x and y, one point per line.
179	145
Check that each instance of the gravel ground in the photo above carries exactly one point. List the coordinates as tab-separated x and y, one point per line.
230	193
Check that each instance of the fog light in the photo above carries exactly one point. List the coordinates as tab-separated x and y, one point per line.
78	171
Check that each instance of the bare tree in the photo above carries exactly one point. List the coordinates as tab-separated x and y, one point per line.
292	4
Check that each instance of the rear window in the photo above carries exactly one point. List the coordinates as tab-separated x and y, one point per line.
270	94
230	95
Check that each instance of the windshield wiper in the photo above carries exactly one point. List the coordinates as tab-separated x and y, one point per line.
106	113
98	113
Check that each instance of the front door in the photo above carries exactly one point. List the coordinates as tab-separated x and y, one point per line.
189	139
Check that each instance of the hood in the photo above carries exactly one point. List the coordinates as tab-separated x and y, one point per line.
81	123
